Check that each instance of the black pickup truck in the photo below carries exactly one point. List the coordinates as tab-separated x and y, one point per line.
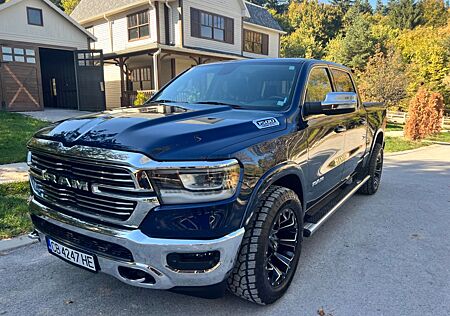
214	182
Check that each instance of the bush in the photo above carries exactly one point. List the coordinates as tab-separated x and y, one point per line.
140	98
426	111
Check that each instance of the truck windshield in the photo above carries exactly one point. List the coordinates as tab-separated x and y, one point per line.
264	86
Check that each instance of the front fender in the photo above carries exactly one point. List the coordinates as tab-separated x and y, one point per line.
269	178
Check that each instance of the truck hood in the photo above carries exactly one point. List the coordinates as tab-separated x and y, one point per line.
166	132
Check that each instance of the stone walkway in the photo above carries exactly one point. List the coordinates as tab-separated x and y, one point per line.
15	172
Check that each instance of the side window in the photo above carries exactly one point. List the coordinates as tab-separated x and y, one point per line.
342	81
318	85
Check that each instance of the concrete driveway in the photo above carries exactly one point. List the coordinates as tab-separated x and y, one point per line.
387	254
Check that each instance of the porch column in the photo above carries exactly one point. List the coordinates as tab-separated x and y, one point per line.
156	69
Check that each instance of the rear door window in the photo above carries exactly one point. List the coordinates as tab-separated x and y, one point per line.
342	81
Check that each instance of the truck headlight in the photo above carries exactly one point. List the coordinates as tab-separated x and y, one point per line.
197	184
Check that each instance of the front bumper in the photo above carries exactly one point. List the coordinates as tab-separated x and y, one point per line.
149	254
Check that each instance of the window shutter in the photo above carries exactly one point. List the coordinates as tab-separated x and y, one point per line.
265	44
195	22
229	30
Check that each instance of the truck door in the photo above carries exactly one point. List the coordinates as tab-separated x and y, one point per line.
325	139
355	124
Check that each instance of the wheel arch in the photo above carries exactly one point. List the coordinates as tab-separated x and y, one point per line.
288	175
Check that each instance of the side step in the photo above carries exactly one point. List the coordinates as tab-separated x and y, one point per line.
312	224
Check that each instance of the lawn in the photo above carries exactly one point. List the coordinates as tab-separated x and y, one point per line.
394	144
442	137
14	218
394	127
16	130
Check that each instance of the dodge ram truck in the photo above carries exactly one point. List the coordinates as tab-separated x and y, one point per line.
214	182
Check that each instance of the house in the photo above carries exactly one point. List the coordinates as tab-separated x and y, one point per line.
146	43
45	59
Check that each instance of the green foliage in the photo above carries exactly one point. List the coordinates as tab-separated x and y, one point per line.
426	51
434	12
356	46
140	98
404	14
313	25
69	5
384	79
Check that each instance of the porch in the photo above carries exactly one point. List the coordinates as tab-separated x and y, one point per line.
144	70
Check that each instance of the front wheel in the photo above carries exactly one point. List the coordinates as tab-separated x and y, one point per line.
270	249
374	169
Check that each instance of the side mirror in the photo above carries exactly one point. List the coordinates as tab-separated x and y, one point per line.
334	103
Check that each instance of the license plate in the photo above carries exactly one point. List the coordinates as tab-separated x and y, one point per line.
71	255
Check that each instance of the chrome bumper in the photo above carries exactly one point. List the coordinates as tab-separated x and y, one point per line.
150	253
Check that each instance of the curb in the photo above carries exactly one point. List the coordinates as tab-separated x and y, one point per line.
404	152
15	243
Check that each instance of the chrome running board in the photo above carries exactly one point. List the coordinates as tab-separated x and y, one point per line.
311	228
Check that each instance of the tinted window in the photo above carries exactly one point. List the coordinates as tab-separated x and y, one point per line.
34	16
342	81
247	85
318	85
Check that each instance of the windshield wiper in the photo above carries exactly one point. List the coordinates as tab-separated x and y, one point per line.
166	101
219	103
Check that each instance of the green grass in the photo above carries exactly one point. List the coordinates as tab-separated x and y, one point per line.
394	144
14	218
442	137
394	127
16	130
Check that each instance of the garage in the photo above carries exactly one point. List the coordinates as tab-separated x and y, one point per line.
45	61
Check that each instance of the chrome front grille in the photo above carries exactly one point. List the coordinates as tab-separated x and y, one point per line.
51	178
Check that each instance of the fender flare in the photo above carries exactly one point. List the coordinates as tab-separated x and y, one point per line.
266	180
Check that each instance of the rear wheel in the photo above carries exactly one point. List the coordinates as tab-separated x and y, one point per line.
270	249
374	169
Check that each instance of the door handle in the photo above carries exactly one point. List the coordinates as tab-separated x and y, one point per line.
340	129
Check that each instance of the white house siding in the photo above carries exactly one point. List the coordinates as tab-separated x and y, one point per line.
112	86
274	41
14	26
119	28
228	8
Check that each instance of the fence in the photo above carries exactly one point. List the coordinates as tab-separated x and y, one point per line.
402	117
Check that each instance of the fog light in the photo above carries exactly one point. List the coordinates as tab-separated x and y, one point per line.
198	261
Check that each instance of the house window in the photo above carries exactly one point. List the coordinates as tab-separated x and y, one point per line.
255	42
19	55
138	26
211	26
141	78
34	16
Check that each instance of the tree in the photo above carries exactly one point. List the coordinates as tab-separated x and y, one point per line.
69	5
344	5
384	79
380	8
434	12
280	6
356	46
312	25
404	14
425	114
427	52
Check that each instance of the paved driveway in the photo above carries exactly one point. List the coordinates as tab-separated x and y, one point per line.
388	254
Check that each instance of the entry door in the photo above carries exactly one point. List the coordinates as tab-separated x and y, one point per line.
325	140
90	80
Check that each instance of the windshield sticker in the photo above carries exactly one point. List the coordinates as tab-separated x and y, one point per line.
266	123
292	68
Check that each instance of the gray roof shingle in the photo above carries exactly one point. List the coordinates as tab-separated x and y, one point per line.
90	8
260	16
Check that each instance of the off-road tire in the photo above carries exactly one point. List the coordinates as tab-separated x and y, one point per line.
249	279
372	185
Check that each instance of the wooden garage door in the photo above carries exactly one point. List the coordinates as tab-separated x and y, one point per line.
20	87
